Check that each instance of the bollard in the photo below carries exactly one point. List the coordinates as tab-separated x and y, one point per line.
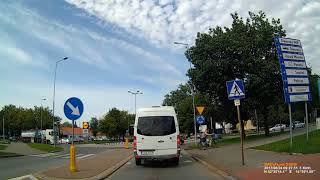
72	159
126	144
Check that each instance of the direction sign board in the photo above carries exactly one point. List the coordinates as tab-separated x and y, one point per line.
235	89
73	108
293	70
200	119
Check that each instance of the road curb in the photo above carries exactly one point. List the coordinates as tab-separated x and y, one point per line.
105	174
219	171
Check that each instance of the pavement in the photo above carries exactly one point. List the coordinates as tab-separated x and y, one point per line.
33	163
188	169
96	167
227	159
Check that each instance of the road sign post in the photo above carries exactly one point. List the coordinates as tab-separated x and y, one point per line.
296	85
235	90
73	109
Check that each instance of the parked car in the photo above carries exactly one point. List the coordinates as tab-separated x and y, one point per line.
298	124
277	127
64	141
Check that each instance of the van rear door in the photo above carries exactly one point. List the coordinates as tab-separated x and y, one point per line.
157	133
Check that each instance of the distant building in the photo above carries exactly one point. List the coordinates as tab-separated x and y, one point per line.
66	132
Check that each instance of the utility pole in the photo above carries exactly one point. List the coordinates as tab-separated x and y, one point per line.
3	127
41	119
192	91
135	103
255	113
53	101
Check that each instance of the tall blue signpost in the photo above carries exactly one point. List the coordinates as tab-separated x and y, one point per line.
235	90
73	109
296	84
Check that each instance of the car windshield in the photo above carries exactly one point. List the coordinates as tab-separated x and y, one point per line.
156	125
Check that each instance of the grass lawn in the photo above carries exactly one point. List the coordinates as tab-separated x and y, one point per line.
234	140
222	142
45	147
299	144
2	147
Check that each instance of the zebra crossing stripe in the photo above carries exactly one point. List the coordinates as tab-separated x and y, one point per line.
43	155
85	156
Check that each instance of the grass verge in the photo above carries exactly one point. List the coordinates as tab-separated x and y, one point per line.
2	147
222	142
45	147
234	140
299	144
8	154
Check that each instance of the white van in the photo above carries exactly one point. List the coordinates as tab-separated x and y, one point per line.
156	134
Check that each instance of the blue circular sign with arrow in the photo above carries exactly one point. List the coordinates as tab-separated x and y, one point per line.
73	108
200	119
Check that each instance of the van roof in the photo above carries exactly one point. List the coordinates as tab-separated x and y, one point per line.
156	108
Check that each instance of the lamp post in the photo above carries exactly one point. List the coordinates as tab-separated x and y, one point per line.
54	94
43	99
135	99
192	93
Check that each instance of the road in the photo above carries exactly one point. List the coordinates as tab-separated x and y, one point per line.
187	169
24	165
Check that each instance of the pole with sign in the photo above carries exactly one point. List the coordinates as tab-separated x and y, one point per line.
294	73
73	109
235	90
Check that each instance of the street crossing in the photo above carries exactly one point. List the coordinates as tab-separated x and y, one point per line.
63	156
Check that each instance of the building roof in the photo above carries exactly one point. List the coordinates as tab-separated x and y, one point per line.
68	131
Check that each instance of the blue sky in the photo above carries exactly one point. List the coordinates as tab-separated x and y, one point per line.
116	46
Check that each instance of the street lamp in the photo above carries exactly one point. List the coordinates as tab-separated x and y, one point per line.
43	99
192	92
135	99
54	94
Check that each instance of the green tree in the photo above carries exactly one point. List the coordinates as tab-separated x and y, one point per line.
94	123
245	51
66	124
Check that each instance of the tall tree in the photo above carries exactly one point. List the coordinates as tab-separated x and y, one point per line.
245	51
94	123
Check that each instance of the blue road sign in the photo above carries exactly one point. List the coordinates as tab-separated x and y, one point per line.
293	70
73	108
235	89
200	119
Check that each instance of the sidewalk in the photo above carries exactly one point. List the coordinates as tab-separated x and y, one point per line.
228	160
96	167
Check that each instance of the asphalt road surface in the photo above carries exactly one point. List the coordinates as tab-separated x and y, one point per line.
187	169
24	165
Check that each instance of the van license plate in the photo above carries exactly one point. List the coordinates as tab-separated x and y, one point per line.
148	153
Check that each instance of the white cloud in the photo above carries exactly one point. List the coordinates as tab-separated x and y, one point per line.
162	22
86	45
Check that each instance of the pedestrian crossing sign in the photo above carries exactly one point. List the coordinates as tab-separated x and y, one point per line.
235	89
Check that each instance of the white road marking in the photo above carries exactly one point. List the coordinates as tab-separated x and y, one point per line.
128	163
187	161
85	156
26	177
43	155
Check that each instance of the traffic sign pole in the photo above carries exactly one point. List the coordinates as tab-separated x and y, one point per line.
290	119
241	135
307	123
73	109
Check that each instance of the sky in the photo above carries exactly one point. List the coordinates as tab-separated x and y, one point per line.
118	45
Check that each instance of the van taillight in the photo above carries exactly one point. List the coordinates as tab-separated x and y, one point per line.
178	141
134	143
